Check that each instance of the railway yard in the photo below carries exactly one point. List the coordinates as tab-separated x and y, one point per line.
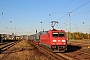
44	30
26	50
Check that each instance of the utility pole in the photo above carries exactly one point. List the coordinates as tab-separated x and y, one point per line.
67	29
70	23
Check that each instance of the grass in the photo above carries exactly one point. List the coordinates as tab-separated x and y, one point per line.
25	51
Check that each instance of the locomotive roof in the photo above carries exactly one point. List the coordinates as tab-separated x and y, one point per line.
44	32
57	30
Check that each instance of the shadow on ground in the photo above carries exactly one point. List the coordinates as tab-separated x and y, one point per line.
72	48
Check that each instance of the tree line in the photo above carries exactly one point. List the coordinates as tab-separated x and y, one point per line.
78	36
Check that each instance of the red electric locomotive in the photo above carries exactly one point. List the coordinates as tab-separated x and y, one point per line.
55	40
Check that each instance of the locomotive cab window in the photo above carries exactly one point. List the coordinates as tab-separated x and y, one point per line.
55	34
61	34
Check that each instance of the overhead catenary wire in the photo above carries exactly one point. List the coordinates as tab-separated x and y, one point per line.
81	6
54	12
63	7
81	19
75	9
79	13
51	15
26	9
49	11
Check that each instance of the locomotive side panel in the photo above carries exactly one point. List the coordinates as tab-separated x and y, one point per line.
44	39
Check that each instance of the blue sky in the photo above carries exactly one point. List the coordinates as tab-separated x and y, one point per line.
26	15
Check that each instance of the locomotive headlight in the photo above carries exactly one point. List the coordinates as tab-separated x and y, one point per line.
63	40
54	40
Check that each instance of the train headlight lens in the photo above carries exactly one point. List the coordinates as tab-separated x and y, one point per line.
54	40
63	40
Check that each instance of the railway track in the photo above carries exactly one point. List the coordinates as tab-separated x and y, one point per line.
6	46
3	43
81	54
53	56
4	49
86	50
78	55
73	53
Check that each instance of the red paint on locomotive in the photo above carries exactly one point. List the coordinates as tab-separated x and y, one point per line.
54	39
